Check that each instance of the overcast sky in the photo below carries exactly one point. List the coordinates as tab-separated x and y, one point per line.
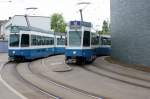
96	12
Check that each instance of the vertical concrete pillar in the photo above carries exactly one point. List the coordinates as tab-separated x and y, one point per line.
130	27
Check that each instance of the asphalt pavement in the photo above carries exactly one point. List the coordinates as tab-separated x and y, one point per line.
6	91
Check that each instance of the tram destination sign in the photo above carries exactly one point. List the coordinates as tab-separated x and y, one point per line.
79	24
14	29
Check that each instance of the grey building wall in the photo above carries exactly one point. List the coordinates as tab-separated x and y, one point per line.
3	46
130	27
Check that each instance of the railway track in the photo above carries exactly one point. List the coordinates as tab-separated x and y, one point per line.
50	95
122	74
53	82
27	70
131	80
64	86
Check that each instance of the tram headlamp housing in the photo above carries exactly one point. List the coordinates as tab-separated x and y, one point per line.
13	52
74	52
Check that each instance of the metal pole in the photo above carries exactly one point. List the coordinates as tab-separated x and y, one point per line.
81	10
81	14
27	21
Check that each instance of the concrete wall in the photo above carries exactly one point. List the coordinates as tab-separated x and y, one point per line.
130	27
3	46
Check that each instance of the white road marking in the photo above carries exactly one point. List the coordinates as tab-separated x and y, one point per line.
9	87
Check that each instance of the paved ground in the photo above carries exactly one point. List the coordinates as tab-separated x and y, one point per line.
5	93
90	82
77	77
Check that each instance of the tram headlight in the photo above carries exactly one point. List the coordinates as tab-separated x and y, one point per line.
13	52
74	52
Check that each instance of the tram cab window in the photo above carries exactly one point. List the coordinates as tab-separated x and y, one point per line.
75	38
86	38
14	40
25	40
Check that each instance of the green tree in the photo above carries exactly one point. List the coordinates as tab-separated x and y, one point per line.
57	23
105	28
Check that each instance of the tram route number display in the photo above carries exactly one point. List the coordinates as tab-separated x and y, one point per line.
15	29
79	24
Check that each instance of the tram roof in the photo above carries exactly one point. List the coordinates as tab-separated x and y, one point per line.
26	28
58	33
39	22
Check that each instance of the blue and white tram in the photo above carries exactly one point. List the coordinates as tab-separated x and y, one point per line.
30	44
80	48
105	45
84	44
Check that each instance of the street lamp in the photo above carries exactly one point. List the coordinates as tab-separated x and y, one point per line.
81	9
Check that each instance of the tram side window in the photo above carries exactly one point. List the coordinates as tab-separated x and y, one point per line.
33	40
38	40
14	40
41	40
106	41
60	41
86	39
44	40
47	40
25	40
95	40
51	41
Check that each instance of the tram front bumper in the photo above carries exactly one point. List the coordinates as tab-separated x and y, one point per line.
74	60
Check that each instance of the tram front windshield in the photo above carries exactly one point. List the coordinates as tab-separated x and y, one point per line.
75	38
14	40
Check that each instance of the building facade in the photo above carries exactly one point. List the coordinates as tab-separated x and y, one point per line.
130	27
2	23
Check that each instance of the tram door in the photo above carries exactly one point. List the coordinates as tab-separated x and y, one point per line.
86	39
